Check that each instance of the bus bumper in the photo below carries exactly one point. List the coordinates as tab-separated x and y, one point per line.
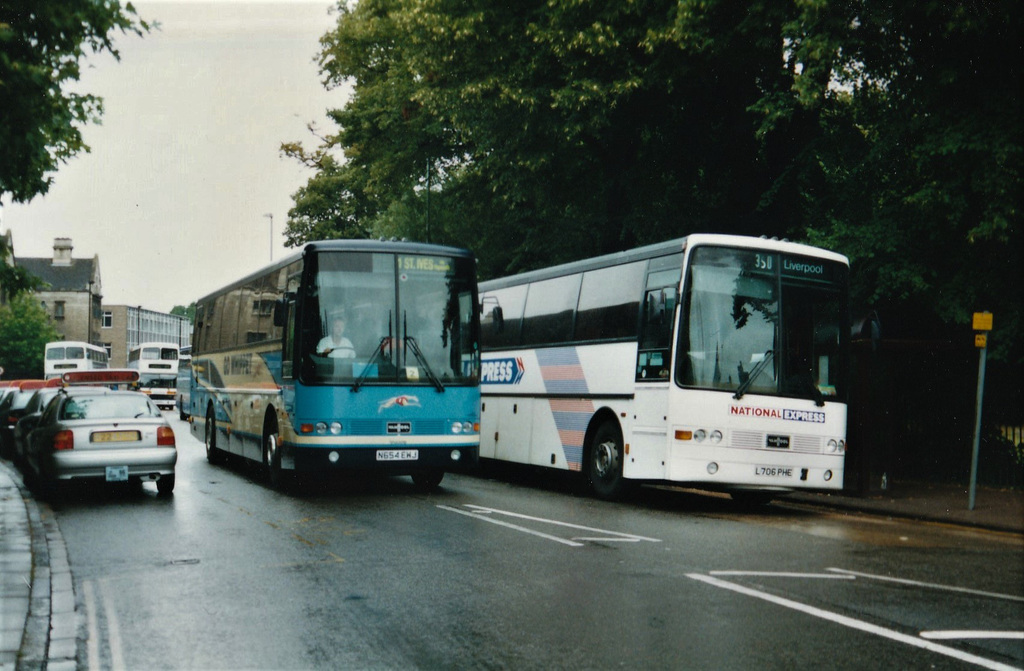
394	460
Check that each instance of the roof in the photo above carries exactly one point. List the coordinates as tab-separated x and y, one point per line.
74	277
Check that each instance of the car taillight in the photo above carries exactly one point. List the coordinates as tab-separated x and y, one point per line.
165	436
64	440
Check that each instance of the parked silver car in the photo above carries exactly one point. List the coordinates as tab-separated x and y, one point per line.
101	434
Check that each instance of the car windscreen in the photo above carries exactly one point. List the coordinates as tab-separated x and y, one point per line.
126	406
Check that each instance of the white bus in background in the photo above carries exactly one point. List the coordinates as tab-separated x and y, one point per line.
154	357
157	363
712	361
184	382
65	355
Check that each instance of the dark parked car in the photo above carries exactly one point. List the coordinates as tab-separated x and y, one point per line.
12	407
29	419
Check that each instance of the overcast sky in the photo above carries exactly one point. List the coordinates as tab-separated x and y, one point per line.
186	162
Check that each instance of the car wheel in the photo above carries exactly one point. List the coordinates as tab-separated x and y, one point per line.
165	485
603	462
428	480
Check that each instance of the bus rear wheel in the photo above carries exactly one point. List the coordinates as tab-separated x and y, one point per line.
603	462
213	453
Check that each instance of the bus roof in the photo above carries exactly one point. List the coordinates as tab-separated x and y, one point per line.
381	246
660	249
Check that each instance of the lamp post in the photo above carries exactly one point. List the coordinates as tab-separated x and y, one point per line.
271	217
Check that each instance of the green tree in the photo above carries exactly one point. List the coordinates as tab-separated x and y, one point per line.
900	140
41	45
551	131
189	311
14	280
25	329
546	132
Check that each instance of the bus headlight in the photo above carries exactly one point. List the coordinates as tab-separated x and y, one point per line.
699	435
833	445
463	427
716	436
321	427
456	455
336	428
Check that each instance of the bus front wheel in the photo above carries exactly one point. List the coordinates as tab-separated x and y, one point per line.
428	480
272	455
604	462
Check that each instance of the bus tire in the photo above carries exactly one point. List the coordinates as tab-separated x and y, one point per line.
603	461
428	480
750	499
213	453
277	478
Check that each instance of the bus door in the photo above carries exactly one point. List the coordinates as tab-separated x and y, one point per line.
653	369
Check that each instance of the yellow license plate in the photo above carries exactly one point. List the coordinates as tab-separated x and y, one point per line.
115	436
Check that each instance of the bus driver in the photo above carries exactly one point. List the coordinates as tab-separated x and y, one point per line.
336	345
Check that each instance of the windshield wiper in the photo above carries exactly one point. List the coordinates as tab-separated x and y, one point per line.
819	398
742	389
377	353
410	343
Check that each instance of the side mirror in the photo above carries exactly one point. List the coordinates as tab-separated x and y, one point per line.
281	312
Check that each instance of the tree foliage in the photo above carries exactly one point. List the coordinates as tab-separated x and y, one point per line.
41	45
25	329
537	132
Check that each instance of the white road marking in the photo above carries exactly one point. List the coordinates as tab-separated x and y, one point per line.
511	526
784	574
956	635
93	644
929	585
488	515
113	630
854	624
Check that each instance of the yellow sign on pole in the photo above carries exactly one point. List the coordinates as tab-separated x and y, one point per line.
982	321
981	340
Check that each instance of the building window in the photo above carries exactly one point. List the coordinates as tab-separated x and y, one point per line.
108	319
58	309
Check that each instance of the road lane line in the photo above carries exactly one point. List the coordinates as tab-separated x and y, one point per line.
545	520
512	526
855	624
784	574
113	629
930	585
956	635
93	643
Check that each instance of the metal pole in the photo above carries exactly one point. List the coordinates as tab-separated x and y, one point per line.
271	217
977	428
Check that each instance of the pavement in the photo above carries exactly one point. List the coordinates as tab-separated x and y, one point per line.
39	622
